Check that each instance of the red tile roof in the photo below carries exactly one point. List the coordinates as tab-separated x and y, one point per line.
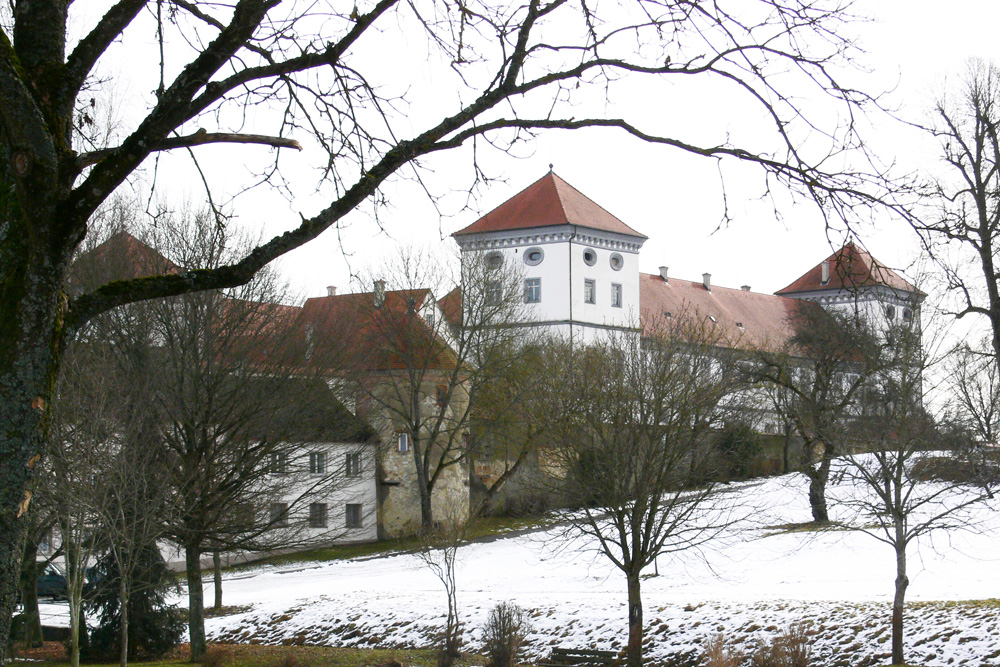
744	319
451	306
851	267
350	332
548	201
121	257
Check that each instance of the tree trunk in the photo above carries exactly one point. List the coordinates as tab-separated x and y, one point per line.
29	595
634	621
217	571
32	272
196	601
123	594
818	478
902	581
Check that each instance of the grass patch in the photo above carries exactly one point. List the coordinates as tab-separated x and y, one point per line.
255	655
807	527
482	528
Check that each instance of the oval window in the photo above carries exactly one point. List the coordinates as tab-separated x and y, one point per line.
617	262
494	260
533	256
589	257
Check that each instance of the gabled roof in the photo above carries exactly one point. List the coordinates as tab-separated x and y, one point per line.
549	201
350	332
744	319
851	268
451	307
121	257
302	410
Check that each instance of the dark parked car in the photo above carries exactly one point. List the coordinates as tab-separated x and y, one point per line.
52	583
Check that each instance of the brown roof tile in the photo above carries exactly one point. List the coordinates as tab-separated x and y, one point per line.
851	267
548	201
747	320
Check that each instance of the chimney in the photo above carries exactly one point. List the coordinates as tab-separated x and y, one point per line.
331	290
745	288
706	279
824	270
663	274
379	293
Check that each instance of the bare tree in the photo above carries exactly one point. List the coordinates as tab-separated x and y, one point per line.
960	228
636	444
818	377
419	371
902	488
306	76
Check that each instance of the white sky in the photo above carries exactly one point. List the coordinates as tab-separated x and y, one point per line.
672	198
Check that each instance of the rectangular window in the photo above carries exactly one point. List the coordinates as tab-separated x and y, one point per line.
493	293
278	463
616	295
317	515
352	515
279	514
317	463
589	291
403	442
352	464
441	395
532	290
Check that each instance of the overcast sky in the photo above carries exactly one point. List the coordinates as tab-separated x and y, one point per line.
674	199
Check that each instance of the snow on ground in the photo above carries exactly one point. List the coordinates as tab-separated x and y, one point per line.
754	582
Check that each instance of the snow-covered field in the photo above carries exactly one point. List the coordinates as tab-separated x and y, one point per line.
756	581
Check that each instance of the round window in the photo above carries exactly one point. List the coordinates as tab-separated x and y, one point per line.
533	256
890	312
589	257
494	260
616	261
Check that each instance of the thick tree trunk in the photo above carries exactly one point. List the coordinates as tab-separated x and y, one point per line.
634	621
196	602
818	478
902	581
31	282
217	572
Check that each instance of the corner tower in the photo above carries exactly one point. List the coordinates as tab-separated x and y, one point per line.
851	279
580	264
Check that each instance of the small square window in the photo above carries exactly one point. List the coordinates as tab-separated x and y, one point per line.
317	463
352	515
403	442
317	515
532	290
616	295
279	514
352	464
589	291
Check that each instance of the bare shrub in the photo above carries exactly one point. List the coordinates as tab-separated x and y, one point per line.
789	649
215	656
720	653
504	633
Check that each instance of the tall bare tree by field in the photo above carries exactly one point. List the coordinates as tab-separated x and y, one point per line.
909	479
310	81
637	427
228	407
819	375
